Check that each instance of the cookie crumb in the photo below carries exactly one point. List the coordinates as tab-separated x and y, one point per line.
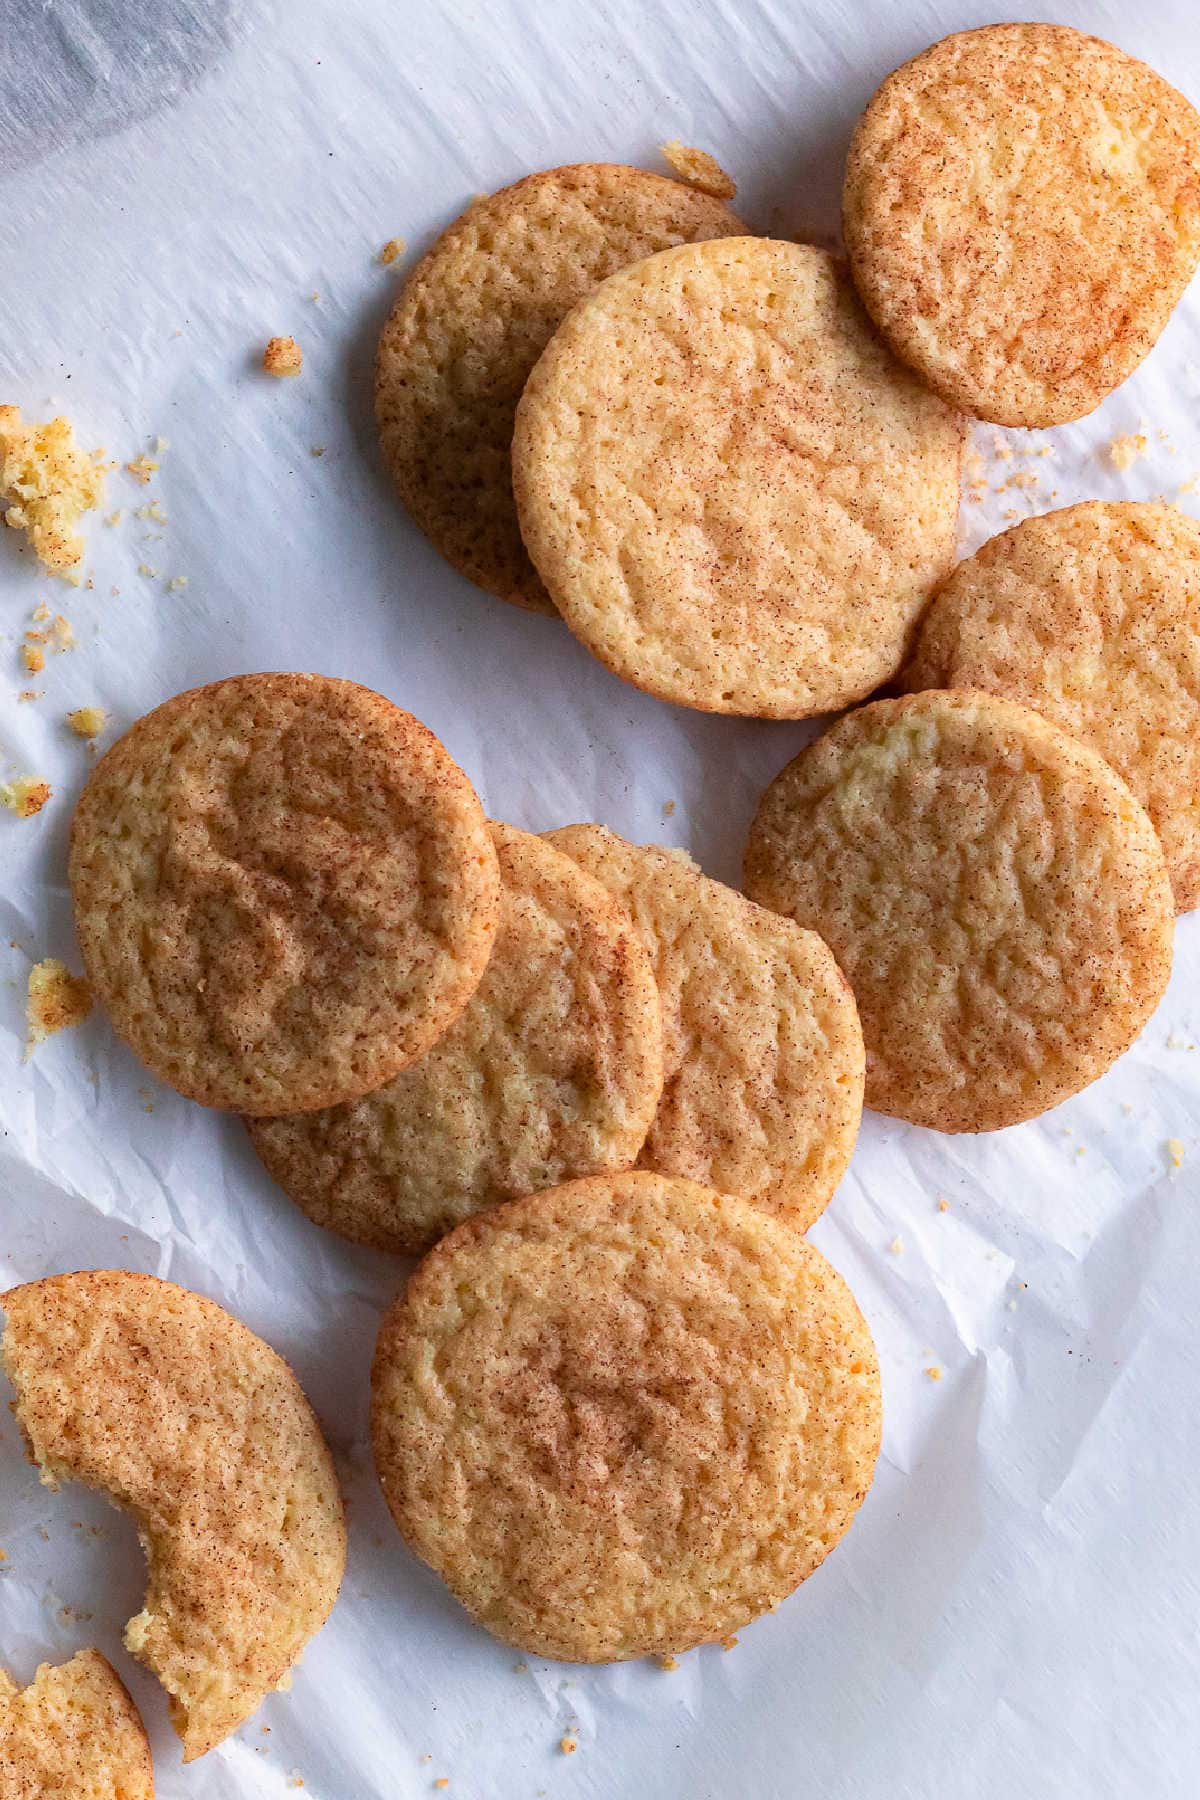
668	811
283	356
699	170
318	450
160	444
47	483
668	1663
1175	1152
176	583
34	658
896	1247
56	1000
443	1781
142	468
147	569
87	721
943	1205
25	796
1125	449
934	1372
153	511
30	694
392	251
568	1745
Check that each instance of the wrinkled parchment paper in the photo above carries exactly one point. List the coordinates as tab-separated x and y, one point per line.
1015	1611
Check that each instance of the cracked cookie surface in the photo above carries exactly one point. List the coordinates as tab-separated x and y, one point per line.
553	1070
737	497
625	1416
996	896
285	889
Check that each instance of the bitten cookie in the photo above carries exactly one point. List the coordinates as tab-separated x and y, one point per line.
475	315
1022	212
1091	616
625	1416
764	1051
285	889
74	1734
197	1428
554	1070
994	893
736	496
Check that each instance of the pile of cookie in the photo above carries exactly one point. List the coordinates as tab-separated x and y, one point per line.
622	1406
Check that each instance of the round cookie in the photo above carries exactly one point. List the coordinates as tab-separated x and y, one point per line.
1091	615
1022	212
553	1070
736	496
995	894
625	1416
764	1051
197	1428
284	888
475	315
74	1734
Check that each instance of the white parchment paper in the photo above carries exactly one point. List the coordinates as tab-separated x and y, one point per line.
1015	1611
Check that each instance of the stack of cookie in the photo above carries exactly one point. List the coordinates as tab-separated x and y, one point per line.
623	1406
292	906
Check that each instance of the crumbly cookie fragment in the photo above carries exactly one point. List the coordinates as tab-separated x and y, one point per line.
625	1416
25	796
55	1000
996	896
87	721
47	483
73	1733
699	169
283	356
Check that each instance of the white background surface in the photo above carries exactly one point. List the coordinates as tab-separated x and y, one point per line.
1015	1612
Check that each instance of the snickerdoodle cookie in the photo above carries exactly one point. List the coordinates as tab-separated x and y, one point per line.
553	1070
624	1416
994	893
764	1051
1091	616
737	497
475	315
1022	212
73	1734
285	889
189	1422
